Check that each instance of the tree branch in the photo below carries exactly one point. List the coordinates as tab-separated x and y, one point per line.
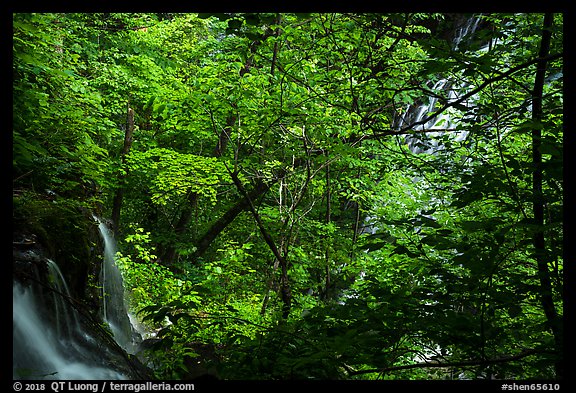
486	83
380	133
285	286
538	240
464	363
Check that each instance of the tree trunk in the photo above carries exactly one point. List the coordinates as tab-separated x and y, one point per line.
226	219
538	197
170	253
285	291
119	194
328	218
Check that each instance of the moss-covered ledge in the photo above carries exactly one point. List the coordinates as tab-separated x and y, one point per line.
66	232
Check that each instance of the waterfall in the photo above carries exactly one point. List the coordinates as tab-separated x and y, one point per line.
48	339
466	29
427	142
114	308
67	321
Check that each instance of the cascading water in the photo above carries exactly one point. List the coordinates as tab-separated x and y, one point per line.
429	139
48	339
114	308
427	142
428	133
66	321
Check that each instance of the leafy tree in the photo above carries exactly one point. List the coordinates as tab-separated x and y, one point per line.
283	206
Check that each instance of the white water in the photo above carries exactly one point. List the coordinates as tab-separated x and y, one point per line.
39	352
67	322
447	120
48	339
115	310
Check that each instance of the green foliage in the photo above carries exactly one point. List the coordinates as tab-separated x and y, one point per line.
393	258
57	114
172	175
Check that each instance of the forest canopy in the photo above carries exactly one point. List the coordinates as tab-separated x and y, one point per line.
312	196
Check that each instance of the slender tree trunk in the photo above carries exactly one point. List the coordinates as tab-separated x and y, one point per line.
226	219
328	218
206	240
275	51
538	197
119	194
356	226
169	254
285	291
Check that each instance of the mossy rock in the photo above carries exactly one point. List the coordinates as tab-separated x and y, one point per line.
67	232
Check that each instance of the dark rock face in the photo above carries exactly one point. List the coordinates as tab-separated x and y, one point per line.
49	238
61	231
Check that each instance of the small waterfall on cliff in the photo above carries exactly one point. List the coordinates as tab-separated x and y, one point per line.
48	339
428	140
114	308
66	319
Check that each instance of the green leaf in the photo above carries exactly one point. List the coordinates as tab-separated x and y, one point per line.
528	126
234	24
472	226
427	222
150	103
514	310
401	249
437	242
550	148
374	246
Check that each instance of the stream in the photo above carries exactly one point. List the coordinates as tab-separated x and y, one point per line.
54	339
